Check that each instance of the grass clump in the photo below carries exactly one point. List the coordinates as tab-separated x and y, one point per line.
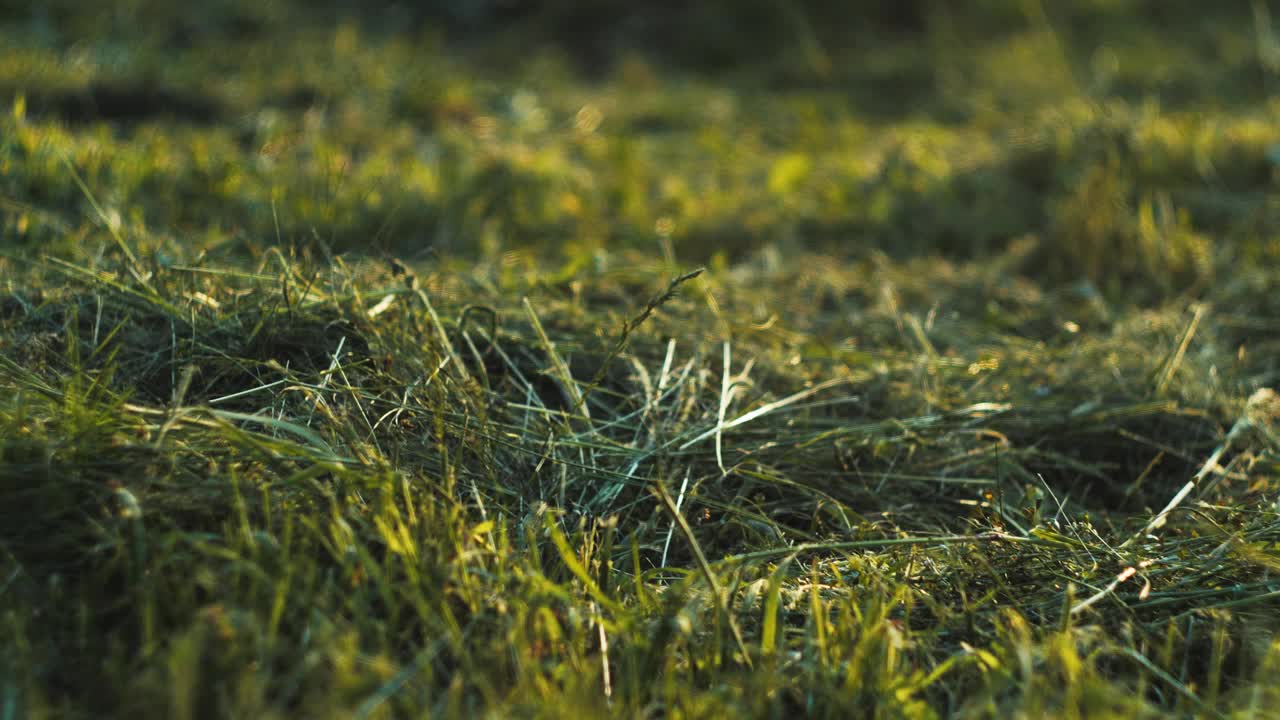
356	373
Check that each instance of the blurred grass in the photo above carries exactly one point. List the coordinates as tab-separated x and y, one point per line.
350	364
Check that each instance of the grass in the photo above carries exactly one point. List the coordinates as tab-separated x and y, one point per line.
386	362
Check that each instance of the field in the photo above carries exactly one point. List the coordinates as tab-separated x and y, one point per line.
531	358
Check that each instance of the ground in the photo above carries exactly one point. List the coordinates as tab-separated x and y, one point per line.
536	358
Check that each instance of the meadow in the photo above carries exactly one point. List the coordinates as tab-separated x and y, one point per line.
531	358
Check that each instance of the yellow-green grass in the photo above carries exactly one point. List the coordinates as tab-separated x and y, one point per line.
386	361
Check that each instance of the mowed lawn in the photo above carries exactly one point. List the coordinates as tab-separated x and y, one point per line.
553	359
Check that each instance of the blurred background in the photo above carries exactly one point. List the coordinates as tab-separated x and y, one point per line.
1119	141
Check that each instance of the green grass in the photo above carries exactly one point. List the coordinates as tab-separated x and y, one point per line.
391	363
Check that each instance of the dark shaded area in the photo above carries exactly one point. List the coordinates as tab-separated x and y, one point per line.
228	357
820	39
120	102
715	36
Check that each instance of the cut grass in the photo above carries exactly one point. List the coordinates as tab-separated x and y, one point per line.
406	397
